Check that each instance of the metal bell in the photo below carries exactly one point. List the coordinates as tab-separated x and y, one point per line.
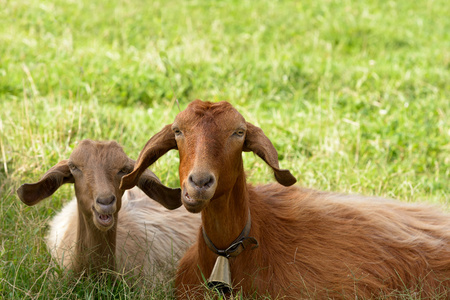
220	278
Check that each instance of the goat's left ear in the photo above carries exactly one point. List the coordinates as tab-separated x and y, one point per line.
33	193
257	142
152	186
156	147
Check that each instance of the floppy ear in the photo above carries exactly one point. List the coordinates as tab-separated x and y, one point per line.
33	193
156	147
257	142
152	186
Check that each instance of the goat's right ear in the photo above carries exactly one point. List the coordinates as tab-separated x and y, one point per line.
152	186
156	147
33	193
257	141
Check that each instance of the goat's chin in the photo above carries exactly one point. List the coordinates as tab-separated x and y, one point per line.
194	202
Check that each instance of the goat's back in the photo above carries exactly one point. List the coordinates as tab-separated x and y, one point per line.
152	236
325	244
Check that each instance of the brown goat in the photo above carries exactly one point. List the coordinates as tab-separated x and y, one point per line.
312	244
86	236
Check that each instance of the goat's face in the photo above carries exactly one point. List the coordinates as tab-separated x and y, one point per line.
210	139
97	169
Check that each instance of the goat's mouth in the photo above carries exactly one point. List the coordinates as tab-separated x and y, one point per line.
103	221
192	204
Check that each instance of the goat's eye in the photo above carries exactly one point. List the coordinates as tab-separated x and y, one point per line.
73	168
177	131
123	171
239	132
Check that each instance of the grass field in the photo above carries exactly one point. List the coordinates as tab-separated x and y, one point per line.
355	96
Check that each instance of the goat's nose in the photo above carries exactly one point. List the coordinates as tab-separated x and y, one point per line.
201	180
108	200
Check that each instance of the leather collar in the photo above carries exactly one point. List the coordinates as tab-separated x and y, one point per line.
238	245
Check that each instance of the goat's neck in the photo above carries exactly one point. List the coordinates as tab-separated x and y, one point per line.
225	217
95	249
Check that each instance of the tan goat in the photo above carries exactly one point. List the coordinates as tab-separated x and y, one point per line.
312	244
103	228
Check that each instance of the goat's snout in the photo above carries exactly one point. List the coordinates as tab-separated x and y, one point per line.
198	190
104	208
108	200
201	181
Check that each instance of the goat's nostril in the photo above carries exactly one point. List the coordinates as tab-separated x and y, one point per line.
209	182
106	200
191	179
201	180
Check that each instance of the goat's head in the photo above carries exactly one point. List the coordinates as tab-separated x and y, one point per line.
95	169
210	138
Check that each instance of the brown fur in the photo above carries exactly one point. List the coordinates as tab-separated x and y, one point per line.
312	244
142	241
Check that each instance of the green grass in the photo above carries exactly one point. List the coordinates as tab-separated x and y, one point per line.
355	96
